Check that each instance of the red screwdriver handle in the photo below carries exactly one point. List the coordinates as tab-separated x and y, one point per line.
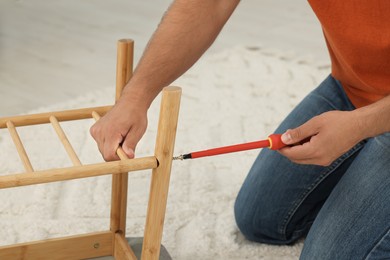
275	142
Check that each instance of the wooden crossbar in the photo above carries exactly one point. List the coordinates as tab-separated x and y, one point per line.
74	247
64	140
19	147
43	118
77	172
122	250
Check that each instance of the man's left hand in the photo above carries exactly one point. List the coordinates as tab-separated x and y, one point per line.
322	139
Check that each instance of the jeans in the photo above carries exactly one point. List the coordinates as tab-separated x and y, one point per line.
343	209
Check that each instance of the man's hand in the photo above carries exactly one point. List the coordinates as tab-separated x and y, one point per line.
322	139
123	125
188	28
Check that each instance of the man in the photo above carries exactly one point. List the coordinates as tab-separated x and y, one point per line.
332	183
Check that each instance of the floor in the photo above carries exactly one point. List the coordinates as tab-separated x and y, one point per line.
51	51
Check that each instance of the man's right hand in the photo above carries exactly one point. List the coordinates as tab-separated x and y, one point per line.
123	125
188	28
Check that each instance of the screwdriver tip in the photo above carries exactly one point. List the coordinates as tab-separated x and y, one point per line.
180	157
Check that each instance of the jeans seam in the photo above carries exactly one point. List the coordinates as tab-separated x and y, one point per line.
386	233
328	170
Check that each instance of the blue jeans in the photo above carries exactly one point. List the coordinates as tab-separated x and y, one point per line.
344	208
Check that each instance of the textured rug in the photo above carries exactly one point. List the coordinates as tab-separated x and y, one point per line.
238	95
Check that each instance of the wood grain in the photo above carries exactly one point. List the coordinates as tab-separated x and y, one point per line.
77	172
159	186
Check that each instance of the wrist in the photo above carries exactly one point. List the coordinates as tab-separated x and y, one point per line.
138	95
367	122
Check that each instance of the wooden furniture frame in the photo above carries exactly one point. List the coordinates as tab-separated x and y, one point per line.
111	242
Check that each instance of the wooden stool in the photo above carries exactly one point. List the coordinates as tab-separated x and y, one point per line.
112	242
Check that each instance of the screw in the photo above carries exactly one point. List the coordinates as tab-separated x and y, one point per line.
96	245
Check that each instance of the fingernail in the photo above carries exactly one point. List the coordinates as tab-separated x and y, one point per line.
129	152
286	138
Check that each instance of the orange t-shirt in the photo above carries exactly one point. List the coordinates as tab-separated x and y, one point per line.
357	34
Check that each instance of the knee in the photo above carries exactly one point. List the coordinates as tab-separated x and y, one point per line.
260	208
244	219
257	223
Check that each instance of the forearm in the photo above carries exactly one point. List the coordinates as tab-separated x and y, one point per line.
186	31
374	119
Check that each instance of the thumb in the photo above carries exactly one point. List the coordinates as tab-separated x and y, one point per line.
301	133
130	142
128	151
128	147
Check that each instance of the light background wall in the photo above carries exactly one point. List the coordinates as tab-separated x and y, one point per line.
53	51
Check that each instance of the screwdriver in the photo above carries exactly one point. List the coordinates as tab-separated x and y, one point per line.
274	142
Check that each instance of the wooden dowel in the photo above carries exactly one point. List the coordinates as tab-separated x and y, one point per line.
159	186
73	247
77	172
124	65
64	140
121	154
95	116
43	118
19	147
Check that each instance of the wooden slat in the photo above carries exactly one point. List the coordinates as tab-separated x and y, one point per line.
43	118
159	186
19	147
64	140
122	250
77	172
75	247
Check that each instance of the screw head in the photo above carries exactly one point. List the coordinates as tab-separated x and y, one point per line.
96	245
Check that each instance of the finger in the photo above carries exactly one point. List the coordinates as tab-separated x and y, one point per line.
131	140
306	161
100	146
314	161
297	153
95	135
308	153
296	135
94	132
110	146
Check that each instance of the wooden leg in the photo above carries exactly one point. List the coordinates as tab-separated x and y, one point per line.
124	64
124	72
160	176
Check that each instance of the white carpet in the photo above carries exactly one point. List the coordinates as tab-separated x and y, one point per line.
235	96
